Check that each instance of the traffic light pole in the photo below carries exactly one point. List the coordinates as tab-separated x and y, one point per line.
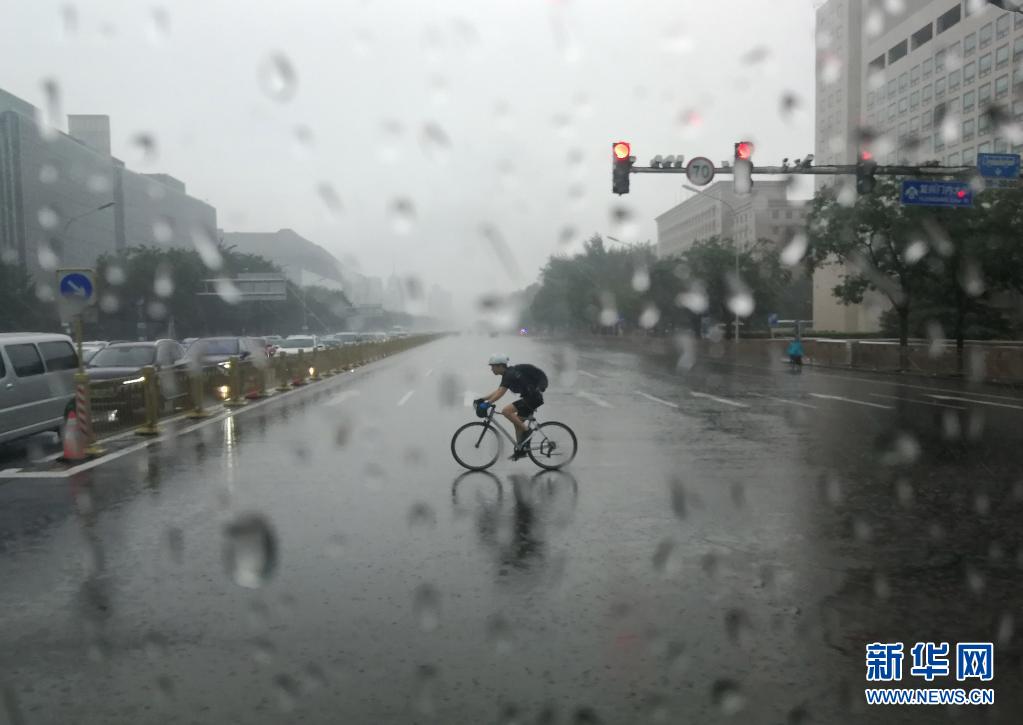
834	170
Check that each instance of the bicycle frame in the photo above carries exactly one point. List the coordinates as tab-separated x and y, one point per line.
497	426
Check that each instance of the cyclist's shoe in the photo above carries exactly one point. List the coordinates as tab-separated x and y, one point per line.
519	453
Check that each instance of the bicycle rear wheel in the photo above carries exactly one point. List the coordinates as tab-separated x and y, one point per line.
553	446
476	446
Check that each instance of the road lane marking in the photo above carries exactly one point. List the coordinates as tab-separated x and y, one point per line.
978	402
594	399
405	397
589	375
658	400
919	402
8	471
725	401
341	397
785	400
822	396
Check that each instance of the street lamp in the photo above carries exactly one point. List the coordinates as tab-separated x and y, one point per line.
101	207
734	214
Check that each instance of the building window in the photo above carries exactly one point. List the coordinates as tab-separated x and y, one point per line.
877	64
950	18
914	75
969	72
953	79
968	157
969	100
774	213
927	68
969	44
984	95
1002	26
952	159
939	61
897	52
914	125
984	65
968	127
891	112
925	123
925	94
1001	87
1017	109
870	100
1019	22
987	34
914	100
939	87
891	88
1001	146
902	131
1002	56
903	82
983	124
984	148
921	36
903	105
1017	46
939	142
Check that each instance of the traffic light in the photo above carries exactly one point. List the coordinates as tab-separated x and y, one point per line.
742	168
865	168
622	161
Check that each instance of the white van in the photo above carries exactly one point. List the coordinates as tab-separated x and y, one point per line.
37	386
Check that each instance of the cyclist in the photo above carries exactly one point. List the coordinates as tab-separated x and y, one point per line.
523	379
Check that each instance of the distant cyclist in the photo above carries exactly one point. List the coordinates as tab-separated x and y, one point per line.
523	379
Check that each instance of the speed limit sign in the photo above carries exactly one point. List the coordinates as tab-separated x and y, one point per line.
700	171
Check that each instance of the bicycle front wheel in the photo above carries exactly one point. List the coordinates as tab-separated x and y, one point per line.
476	446
553	446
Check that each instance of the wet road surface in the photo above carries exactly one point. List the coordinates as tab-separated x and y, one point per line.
727	541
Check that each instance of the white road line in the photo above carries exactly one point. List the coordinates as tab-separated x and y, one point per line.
822	396
405	397
589	375
594	399
428	373
918	402
8	471
978	402
658	400
785	400
726	401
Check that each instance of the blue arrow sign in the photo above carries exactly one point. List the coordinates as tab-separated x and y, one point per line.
76	286
998	166
923	192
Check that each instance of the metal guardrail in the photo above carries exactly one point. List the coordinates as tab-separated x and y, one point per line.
141	401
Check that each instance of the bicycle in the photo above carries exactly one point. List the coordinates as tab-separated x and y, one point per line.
479	444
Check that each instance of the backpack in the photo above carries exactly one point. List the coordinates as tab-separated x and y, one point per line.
534	376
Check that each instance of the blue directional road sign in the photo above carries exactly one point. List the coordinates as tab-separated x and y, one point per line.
998	166
76	285
924	192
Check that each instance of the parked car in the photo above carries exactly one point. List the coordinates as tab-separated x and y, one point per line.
126	360
293	344
210	351
37	388
91	347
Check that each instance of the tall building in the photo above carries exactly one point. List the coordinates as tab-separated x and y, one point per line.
765	213
65	200
926	83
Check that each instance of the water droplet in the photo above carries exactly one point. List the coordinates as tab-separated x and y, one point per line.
48	217
694	299
427	678
8	256
176	544
905	450
421	514
435	142
228	291
160	25
862	530
109	303
831	70
975	579
678	497
277	78
426	607
567	235
48	174
874	23
882	589
501	250
608	311
205	244
330	199
832	489
263	651
99	184
163	230
915	251
500	635
641	279
665	559
649	317
740	298
250	550
982	504
155	646
449	389
789	106
971	278
795	250
69	20
756	55
288	691
48	259
163	283
727	697
53	118
737	625
904	492
156	310
145	146
1006	628
403	215
623	223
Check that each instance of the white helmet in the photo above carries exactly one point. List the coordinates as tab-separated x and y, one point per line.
498	359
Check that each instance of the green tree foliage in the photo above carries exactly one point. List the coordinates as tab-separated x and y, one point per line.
20	309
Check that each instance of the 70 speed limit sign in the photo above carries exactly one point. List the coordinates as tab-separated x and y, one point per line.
700	171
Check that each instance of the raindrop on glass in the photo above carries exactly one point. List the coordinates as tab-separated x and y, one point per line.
641	279
664	558
99	183
48	217
756	55
145	148
874	23
263	651
737	625
163	230
205	244
727	697
109	303
228	291
53	118
48	174
435	142
1006	628
904	492
694	299
250	550
288	691
499	634
971	279
915	251
426	607
329	196
795	250
975	579
115	275
895	7
277	77
740	301
789	105
176	544
48	260
831	70
156	310
608	311
402	213
163	283
160	25
69	19
649	317
566	236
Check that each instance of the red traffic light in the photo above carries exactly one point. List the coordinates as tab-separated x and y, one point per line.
622	150
961	193
866	155
744	150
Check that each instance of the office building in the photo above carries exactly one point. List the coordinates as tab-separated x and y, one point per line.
64	200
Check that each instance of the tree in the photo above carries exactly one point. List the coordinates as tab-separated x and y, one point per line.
20	308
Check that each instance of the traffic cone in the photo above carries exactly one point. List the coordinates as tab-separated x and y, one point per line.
74	442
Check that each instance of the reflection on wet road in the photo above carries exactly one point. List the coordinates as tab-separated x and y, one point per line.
723	547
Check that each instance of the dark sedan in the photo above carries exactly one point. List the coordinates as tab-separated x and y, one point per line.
125	361
219	350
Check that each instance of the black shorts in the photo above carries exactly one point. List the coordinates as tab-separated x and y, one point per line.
528	403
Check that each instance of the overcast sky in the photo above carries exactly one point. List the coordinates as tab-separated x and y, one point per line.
476	115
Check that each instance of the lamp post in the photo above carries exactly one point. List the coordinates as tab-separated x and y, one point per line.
73	219
734	214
